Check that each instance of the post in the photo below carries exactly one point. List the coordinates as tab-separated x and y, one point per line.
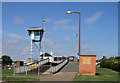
76	45
38	56
26	69
38	69
79	32
32	50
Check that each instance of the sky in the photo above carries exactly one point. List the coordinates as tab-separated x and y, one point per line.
99	28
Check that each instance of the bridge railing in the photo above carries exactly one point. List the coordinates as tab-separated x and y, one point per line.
25	68
55	69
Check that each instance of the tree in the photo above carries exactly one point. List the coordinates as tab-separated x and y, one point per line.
6	60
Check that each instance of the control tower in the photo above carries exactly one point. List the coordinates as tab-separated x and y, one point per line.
35	34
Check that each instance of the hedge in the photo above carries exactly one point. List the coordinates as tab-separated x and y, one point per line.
111	63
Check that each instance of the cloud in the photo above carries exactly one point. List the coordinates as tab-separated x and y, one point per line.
64	21
18	20
16	49
66	38
47	19
20	49
0	31
57	46
52	43
90	52
12	35
25	50
9	42
65	27
94	18
64	24
86	47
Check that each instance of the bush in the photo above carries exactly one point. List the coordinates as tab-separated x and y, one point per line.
111	63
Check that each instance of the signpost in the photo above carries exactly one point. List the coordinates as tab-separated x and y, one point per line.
78	53
32	67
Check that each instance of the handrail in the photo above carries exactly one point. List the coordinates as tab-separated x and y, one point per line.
37	62
55	69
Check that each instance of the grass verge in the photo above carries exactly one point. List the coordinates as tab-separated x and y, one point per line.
9	72
18	79
104	75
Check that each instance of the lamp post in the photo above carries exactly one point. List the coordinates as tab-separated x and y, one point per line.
70	12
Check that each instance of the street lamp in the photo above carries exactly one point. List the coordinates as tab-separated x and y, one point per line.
70	12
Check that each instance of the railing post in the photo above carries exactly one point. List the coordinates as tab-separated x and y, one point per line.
38	69
18	70
26	69
14	70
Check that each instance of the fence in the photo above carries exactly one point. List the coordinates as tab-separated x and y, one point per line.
25	69
55	69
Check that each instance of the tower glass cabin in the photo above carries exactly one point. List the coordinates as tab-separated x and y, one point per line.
35	34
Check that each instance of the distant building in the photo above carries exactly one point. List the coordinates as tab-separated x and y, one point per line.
58	59
45	56
13	64
19	63
72	58
29	61
35	60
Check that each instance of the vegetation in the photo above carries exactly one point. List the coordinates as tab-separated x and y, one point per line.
111	63
6	60
7	72
10	72
18	79
102	74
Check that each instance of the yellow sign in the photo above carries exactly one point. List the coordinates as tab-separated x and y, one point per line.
32	67
86	60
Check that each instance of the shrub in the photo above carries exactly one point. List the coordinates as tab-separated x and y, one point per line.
111	63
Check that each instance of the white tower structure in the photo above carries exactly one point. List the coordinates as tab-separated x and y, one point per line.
35	34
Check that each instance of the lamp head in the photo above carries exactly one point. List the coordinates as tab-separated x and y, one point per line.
69	12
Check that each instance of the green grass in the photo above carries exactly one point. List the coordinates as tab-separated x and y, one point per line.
10	72
7	72
18	79
32	74
105	75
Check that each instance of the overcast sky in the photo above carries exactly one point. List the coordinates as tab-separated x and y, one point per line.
99	28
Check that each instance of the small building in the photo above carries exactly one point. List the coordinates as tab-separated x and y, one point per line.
45	56
13	64
19	63
35	60
29	61
87	64
72	58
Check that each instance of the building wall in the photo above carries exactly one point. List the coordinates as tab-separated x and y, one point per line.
87	65
19	63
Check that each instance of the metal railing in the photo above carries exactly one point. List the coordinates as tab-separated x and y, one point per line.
25	69
55	69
